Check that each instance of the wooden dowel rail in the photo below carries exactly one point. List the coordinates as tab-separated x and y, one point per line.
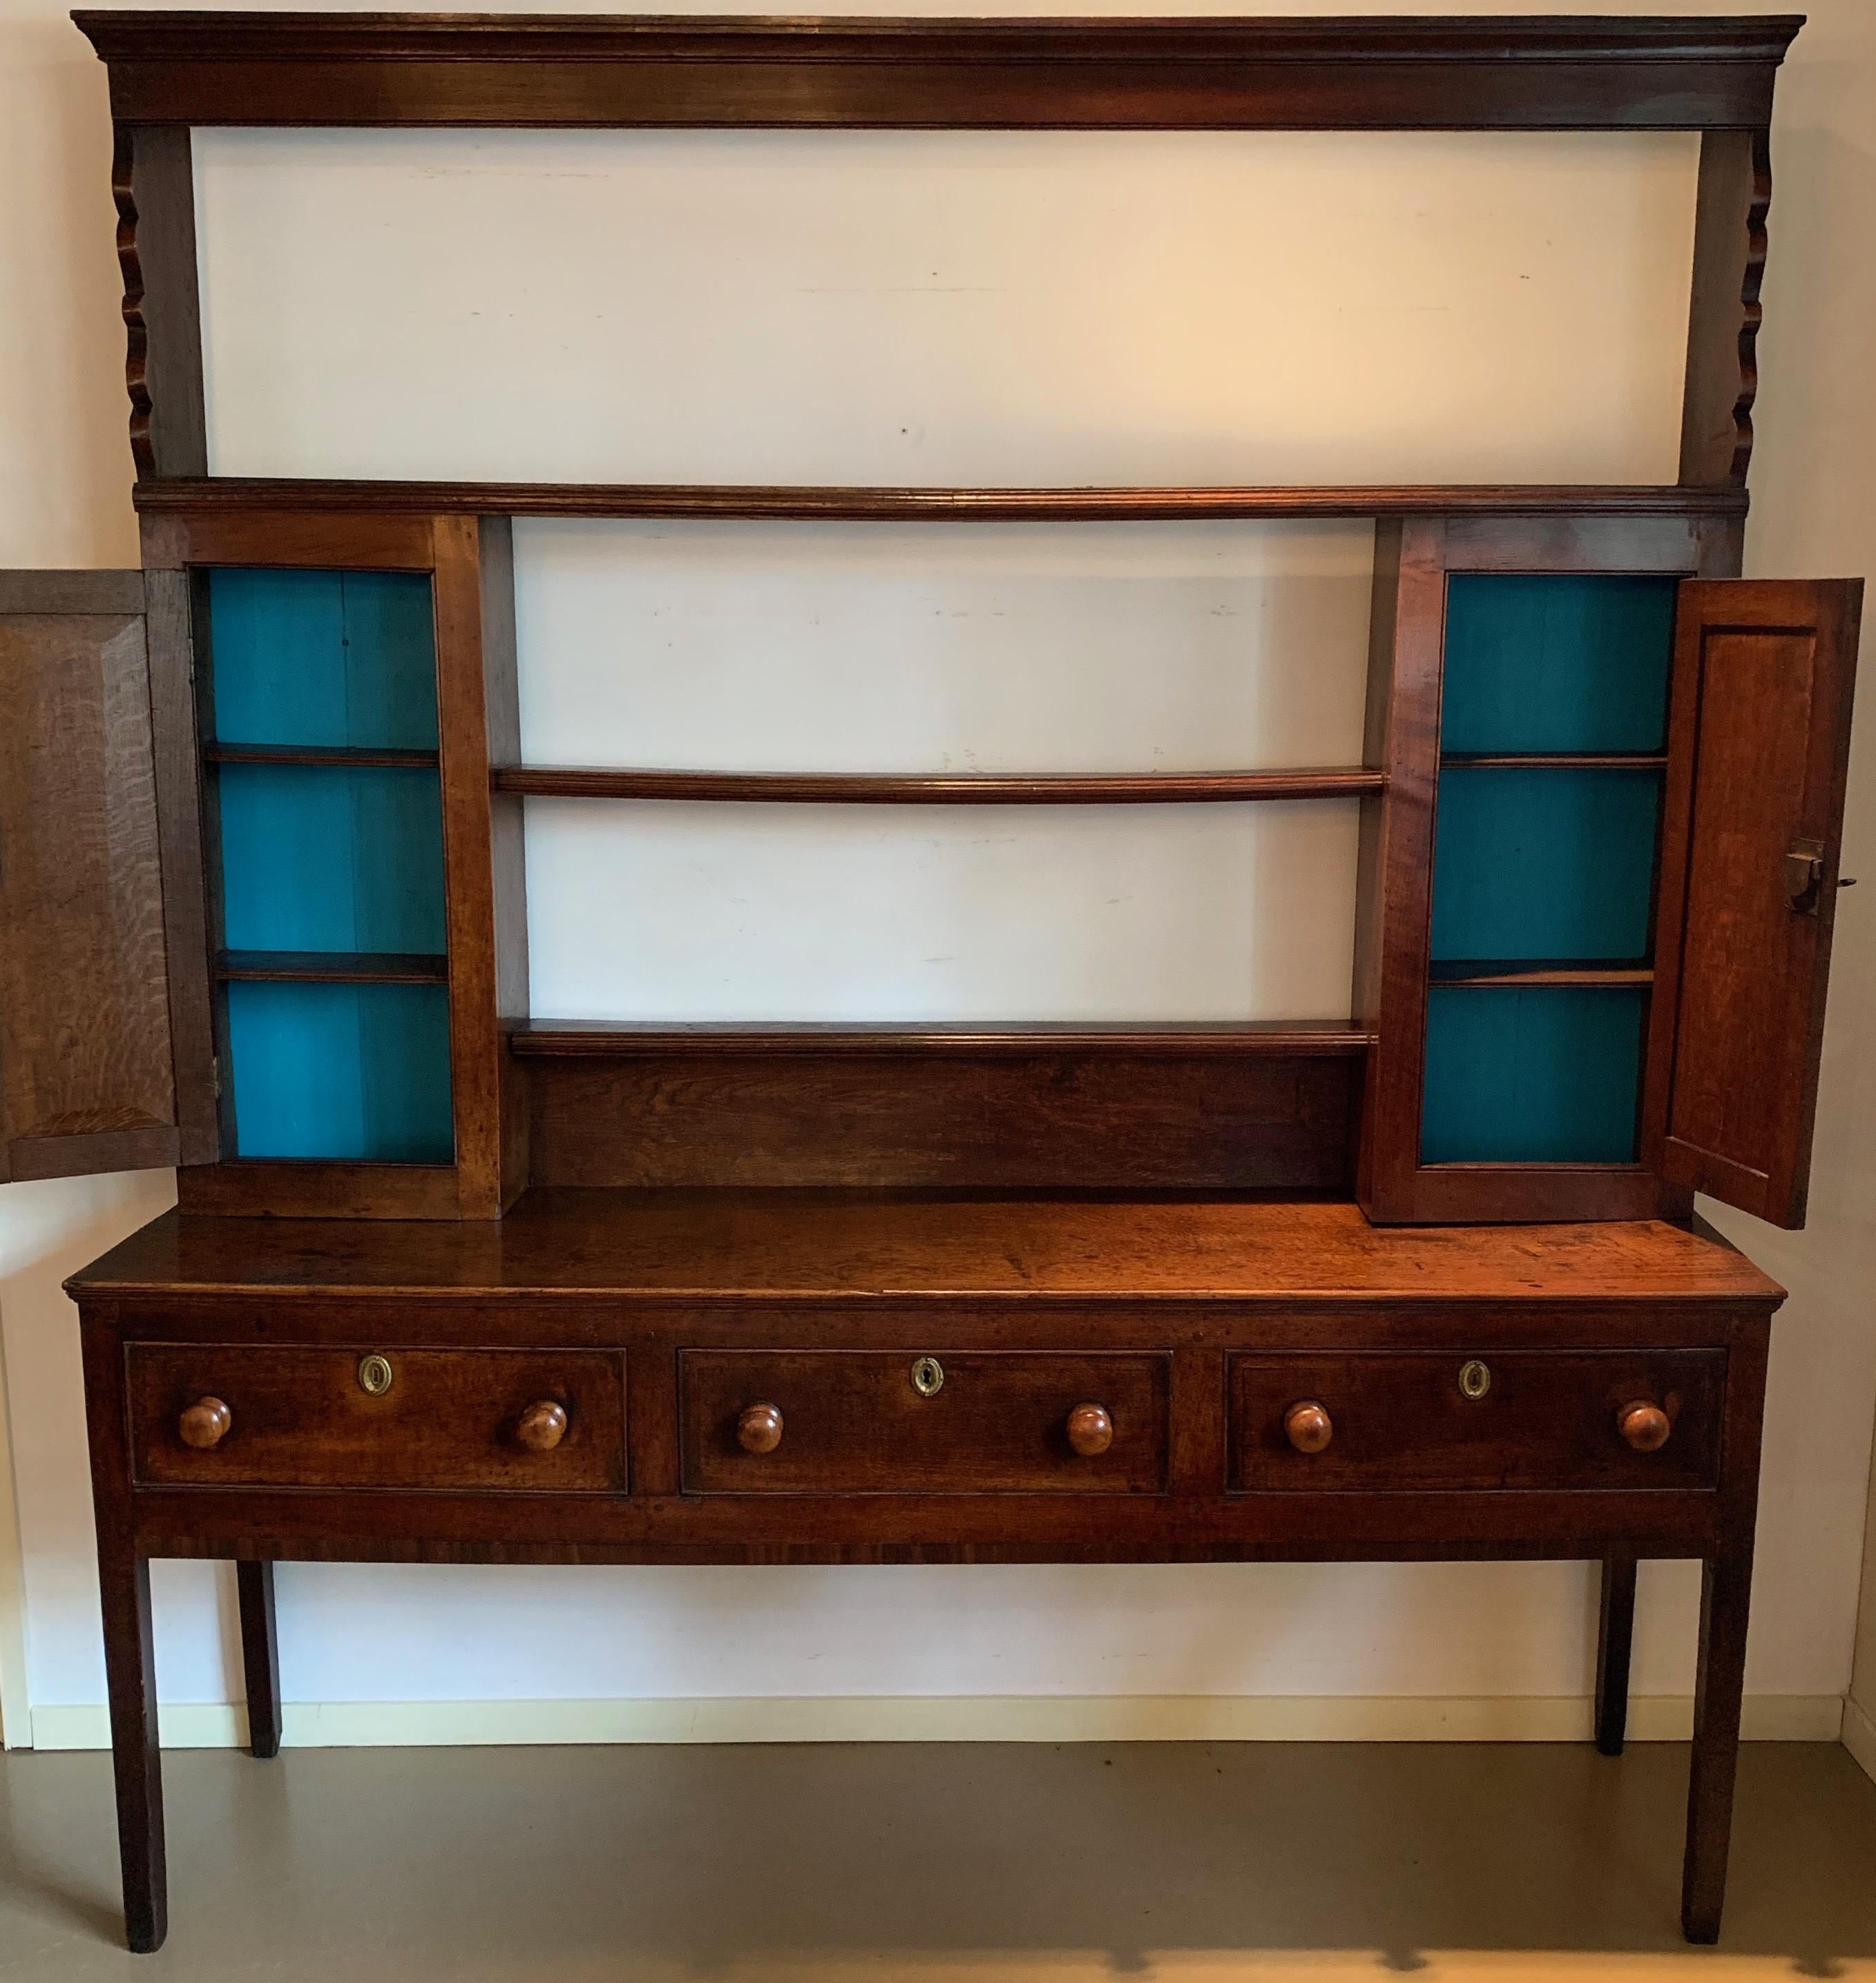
846	788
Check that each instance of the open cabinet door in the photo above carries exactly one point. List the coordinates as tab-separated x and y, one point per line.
88	1077
1759	746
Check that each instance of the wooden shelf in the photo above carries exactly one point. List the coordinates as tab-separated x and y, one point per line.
1553	761
1474	971
311	754
209	495
325	966
572	1039
846	788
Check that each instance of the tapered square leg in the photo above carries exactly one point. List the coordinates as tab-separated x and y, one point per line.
1725	1593
1615	1637
130	1669
260	1656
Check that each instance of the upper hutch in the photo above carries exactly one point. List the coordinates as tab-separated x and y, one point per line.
264	918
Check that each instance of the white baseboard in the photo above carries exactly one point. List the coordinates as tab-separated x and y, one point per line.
976	1718
1860	1736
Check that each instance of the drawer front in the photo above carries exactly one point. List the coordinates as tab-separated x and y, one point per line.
315	1418
1422	1419
854	1421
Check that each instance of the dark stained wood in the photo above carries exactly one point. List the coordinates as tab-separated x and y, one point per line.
129	1649
169	625
1600	537
1547	1421
564	1039
286	1189
507	837
476	1057
87	1080
847	788
1722	381
152	181
345	537
1558	760
998	1424
1425	73
1764	671
845	1245
1395	883
260	1656
202	500
451	1419
277	753
1719	1687
334	967
903	1110
1615	1636
1480	972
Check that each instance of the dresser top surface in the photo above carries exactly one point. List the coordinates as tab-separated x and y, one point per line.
846	1244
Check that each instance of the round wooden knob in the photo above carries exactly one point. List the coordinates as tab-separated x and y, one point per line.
1307	1427
1091	1431
204	1423
759	1429
542	1427
1643	1425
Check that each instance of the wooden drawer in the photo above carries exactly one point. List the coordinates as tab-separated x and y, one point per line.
1546	1418
855	1422
451	1419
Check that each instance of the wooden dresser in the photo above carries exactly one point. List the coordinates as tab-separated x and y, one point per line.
1419	1278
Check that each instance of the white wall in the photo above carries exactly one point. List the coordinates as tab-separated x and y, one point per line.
366	1634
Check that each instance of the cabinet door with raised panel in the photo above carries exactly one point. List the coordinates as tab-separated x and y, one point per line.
88	1077
1752	816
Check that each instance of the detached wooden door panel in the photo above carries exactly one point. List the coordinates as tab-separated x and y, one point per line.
87	1080
1764	671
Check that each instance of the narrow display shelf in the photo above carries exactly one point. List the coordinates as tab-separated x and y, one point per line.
319	754
847	788
1554	760
571	1039
206	494
1548	971
331	967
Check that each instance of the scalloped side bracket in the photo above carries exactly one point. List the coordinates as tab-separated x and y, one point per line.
152	182
1730	238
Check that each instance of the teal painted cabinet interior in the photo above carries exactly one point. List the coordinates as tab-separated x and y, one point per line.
331	871
1544	866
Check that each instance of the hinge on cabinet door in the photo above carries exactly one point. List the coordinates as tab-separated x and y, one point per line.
215	1074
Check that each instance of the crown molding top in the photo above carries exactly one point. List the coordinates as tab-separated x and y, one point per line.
1556	71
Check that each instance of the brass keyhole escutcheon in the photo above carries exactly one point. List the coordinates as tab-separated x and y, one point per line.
927	1376
1475	1379
374	1374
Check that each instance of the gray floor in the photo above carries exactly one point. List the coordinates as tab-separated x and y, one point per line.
936	1863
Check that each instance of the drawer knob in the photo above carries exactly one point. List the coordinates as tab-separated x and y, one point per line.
204	1423
542	1427
1307	1427
1091	1431
1643	1427
759	1429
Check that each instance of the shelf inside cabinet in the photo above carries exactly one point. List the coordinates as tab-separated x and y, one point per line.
333	967
332	756
851	789
1487	972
